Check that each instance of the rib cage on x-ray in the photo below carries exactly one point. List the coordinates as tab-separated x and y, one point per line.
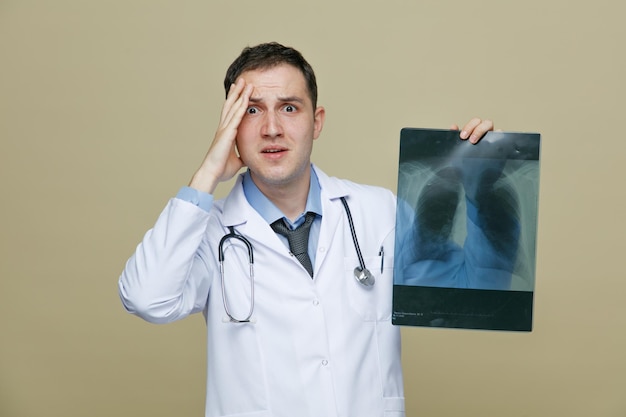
438	202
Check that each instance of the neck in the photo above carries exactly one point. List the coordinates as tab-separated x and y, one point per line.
290	198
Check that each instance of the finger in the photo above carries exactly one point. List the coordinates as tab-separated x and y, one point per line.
234	93
454	127
235	113
481	130
224	142
469	127
475	129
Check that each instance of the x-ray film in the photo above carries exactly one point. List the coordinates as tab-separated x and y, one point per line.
466	229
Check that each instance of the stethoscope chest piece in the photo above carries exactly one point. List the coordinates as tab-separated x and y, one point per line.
364	276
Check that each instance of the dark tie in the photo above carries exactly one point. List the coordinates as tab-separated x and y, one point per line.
298	239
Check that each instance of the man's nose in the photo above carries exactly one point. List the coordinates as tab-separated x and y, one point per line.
271	125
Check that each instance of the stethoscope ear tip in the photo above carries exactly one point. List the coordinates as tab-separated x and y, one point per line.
364	276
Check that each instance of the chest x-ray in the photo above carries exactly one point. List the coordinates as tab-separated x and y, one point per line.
466	229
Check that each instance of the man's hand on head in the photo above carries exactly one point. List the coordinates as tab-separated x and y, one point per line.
222	162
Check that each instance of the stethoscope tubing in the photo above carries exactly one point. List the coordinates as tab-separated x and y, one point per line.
353	232
361	273
246	242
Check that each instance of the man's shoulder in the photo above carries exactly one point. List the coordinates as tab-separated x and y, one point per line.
373	191
345	187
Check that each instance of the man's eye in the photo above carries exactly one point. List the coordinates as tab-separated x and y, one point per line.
289	108
251	110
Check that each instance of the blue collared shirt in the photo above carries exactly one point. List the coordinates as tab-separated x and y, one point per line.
267	209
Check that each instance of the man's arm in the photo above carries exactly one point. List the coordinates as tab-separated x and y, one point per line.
169	275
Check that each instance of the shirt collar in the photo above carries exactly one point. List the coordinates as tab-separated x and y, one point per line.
269	211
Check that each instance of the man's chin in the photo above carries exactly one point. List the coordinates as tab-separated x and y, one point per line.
277	177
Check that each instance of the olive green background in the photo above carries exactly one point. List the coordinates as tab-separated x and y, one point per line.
107	108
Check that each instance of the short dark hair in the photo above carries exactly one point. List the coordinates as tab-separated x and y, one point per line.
269	55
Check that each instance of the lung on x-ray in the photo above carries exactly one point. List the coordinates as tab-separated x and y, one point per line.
466	228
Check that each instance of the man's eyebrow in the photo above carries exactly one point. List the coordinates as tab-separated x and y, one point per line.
291	98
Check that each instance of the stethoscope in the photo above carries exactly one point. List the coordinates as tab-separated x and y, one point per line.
361	273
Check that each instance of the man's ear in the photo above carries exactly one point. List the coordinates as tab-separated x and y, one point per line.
318	121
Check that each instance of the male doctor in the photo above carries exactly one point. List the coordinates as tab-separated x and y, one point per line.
317	341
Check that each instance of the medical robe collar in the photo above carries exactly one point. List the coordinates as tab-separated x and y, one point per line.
237	209
268	210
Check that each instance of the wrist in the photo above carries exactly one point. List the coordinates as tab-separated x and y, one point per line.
202	180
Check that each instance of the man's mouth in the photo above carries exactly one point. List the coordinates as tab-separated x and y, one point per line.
272	150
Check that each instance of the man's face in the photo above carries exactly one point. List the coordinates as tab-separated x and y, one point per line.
275	137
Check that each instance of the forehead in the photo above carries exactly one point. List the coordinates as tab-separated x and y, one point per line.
280	80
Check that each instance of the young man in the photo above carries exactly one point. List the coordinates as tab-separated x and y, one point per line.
294	335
